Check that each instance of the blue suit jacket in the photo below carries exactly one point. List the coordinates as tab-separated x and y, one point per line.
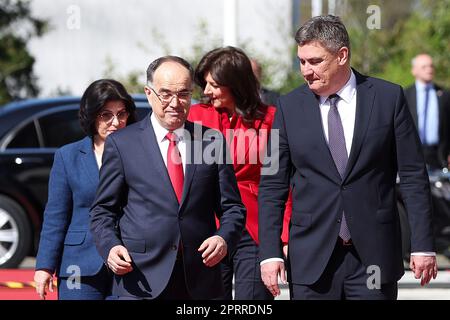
136	207
65	236
385	142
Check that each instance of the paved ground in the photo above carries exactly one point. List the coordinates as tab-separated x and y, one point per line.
21	285
410	289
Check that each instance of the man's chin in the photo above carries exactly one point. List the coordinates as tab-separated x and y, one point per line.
175	123
316	89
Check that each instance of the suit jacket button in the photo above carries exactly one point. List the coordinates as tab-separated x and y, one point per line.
180	218
174	247
338	220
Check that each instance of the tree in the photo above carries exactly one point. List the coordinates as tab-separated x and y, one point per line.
17	27
426	31
407	28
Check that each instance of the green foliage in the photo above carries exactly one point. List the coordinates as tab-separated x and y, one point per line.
203	42
428	30
408	28
272	68
131	81
16	64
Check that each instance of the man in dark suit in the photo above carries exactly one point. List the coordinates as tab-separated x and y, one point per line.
430	108
153	220
344	237
268	96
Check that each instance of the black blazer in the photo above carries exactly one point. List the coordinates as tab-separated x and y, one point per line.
385	142
135	193
444	114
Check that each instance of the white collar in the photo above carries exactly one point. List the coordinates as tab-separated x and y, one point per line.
347	92
161	132
422	85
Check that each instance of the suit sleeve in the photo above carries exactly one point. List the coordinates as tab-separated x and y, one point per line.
444	137
274	189
109	200
414	182
230	210
57	216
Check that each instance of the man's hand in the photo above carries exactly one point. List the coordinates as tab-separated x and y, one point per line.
119	260
269	274
214	249
424	268
43	280
285	250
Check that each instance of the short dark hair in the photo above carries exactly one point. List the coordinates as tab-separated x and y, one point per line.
230	67
156	63
94	99
328	30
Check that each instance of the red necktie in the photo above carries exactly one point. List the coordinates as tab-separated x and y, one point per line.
174	165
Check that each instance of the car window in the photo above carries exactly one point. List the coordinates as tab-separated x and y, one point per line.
60	128
26	137
141	113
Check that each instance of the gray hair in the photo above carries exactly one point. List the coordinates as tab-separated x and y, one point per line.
328	30
156	63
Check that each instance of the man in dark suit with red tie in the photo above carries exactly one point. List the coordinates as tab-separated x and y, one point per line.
153	218
343	137
430	108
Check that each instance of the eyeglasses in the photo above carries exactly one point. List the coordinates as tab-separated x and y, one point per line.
166	97
108	117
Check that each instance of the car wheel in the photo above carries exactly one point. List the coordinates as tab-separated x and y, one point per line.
15	233
405	231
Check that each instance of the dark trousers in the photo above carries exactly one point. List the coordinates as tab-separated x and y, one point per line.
244	265
96	287
344	278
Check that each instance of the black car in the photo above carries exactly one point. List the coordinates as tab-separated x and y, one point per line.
30	133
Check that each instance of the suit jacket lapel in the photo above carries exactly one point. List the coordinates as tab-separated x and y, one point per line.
441	113
193	152
88	160
365	97
413	106
151	149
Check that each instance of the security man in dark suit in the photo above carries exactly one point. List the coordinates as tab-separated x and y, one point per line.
430	108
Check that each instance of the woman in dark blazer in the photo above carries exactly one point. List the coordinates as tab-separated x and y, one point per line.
235	108
66	247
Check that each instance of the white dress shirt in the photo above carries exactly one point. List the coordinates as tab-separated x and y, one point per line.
163	142
432	119
346	106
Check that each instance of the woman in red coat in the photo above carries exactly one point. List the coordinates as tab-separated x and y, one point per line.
235	108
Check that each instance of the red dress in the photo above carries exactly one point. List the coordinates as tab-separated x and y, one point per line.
247	144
